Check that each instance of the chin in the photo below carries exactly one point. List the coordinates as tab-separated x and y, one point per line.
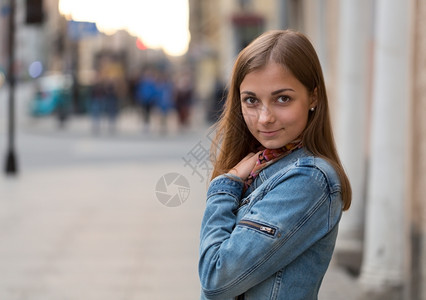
272	144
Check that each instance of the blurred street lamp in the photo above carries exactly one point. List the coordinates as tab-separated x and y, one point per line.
11	163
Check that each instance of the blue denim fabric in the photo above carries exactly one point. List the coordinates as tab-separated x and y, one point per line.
276	240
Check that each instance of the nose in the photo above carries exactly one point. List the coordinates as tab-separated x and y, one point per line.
266	115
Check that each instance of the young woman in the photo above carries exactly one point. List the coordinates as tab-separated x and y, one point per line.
278	188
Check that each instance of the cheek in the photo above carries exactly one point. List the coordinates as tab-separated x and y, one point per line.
296	118
303	120
250	118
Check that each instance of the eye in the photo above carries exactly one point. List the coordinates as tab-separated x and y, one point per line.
250	101
283	99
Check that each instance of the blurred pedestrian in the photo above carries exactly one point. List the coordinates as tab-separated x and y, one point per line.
278	188
147	94
216	106
97	103
183	99
165	99
108	89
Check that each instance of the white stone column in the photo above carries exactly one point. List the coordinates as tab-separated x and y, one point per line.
384	264
417	178
352	97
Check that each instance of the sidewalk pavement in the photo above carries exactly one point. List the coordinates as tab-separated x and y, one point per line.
99	231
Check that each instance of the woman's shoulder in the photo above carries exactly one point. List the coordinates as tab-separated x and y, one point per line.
306	163
318	164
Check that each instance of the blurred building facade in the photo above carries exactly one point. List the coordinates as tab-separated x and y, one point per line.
63	46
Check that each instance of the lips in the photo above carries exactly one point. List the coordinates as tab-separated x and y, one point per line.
269	133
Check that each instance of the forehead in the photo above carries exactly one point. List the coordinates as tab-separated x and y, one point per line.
272	75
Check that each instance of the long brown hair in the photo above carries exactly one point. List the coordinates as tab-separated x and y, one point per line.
295	52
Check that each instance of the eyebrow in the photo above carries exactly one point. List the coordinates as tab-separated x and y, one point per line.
248	93
282	90
273	93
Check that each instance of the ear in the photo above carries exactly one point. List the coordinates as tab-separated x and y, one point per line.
314	99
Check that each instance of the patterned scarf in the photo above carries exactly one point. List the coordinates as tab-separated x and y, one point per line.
269	156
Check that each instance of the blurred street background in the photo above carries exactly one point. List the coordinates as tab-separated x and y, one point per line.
82	219
106	110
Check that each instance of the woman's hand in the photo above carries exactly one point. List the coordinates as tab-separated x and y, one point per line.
245	166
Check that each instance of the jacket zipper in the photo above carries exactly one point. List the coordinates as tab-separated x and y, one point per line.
246	201
261	227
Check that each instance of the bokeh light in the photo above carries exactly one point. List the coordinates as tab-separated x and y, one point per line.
35	69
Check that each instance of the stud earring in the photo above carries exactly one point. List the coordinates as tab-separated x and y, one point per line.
312	108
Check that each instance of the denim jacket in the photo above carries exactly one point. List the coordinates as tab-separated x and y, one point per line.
276	240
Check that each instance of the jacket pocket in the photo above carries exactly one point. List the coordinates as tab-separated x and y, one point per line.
258	226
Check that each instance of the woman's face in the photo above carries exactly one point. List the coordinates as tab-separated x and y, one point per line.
275	105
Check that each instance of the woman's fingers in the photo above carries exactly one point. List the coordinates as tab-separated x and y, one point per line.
244	167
